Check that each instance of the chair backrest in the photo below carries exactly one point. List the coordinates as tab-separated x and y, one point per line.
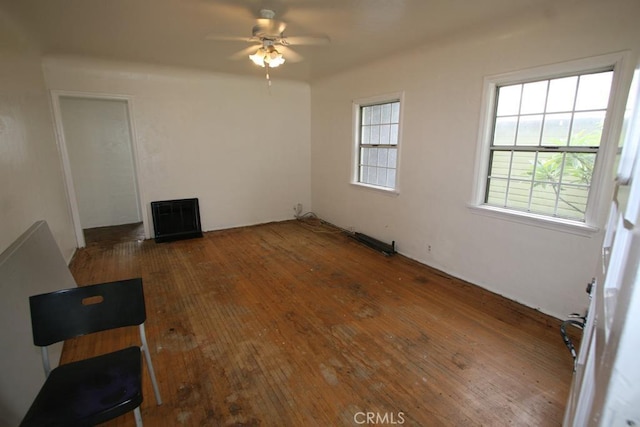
68	313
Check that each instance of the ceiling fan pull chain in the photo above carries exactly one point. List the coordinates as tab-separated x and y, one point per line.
268	76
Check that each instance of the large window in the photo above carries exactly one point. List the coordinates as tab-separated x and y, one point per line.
544	141
378	136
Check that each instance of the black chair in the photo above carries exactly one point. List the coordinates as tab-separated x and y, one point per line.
98	389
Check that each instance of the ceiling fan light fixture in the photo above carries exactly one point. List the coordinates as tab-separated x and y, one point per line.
274	59
267	56
258	58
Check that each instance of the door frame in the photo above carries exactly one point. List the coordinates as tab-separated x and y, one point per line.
66	164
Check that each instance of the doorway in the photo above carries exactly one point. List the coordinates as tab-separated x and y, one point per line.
98	153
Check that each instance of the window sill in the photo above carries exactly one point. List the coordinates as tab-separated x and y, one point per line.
556	224
383	190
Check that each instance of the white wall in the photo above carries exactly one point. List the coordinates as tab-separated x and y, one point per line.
242	149
442	83
31	181
98	140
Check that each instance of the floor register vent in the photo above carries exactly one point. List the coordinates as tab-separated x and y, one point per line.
385	248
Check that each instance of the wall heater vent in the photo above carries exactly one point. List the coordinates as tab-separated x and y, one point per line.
385	248
176	219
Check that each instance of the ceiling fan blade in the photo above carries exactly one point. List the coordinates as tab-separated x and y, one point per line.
308	40
289	54
220	37
281	26
269	27
244	53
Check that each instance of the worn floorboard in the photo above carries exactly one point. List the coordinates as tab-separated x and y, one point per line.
295	324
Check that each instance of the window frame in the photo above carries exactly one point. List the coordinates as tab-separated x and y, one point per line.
357	106
594	214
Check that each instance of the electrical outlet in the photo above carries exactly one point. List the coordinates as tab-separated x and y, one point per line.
429	248
297	209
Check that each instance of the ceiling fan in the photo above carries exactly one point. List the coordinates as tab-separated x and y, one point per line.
270	44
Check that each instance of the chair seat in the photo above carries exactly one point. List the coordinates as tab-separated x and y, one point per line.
89	391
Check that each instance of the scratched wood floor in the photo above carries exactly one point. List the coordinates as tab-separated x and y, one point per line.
294	324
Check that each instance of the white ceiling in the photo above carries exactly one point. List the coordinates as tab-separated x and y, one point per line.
172	32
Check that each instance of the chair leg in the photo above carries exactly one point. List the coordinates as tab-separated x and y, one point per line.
136	413
152	373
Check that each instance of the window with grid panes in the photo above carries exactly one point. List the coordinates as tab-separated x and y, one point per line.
378	145
545	142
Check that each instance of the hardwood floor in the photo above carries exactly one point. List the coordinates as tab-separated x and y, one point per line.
295	324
